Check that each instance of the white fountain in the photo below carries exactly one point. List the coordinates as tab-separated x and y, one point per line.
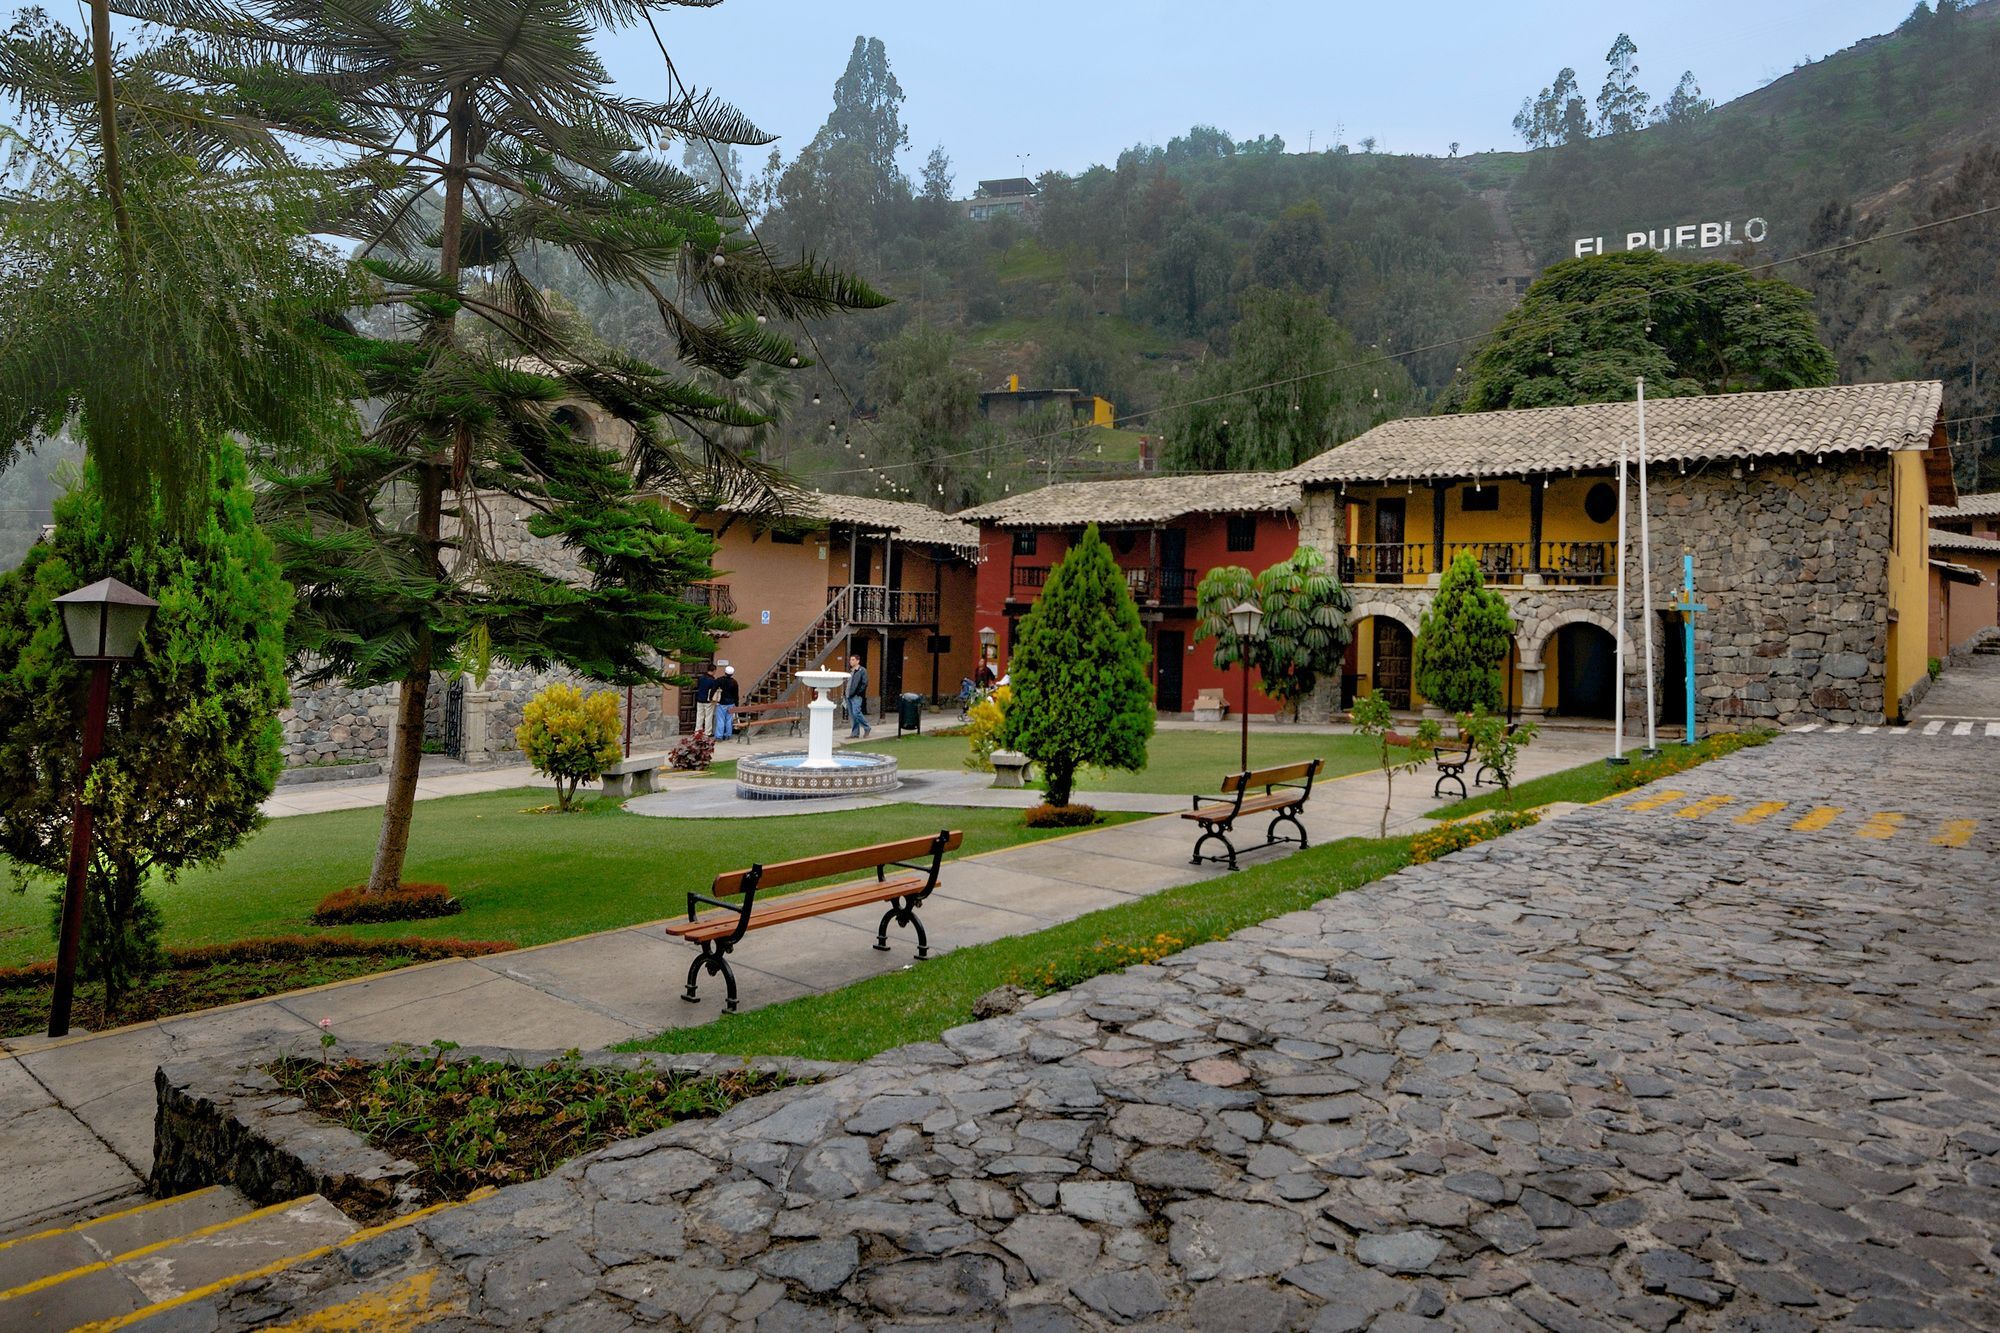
819	772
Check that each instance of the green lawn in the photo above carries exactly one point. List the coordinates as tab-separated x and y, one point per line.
527	878
919	1002
1177	761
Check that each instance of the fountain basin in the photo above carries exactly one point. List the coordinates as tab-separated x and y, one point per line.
789	777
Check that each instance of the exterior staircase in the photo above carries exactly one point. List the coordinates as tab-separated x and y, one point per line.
806	651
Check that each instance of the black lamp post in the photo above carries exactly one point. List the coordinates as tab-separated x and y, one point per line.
103	622
1247	619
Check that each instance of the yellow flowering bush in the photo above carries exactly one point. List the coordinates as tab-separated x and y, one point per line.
570	737
982	725
1103	956
1448	838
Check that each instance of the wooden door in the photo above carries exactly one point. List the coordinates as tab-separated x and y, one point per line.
1389	540
1172	577
1392	662
1171	652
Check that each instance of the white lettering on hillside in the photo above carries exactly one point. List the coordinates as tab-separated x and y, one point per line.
1682	236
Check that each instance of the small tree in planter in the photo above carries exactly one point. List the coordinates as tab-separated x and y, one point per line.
1496	745
1306	629
1081	692
1462	640
1373	718
569	737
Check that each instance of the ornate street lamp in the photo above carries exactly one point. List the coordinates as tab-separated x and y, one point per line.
104	623
1247	619
989	639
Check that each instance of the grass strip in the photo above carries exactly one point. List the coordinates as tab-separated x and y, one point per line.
921	1001
1596	780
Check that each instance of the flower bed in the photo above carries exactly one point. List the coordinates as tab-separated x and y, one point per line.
1680	758
1443	841
467	1121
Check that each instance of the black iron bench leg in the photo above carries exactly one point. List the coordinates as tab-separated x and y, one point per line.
712	961
1287	817
1202	841
1437	791
902	914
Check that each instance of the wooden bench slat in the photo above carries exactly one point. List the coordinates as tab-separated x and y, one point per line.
833	863
798	907
1260	777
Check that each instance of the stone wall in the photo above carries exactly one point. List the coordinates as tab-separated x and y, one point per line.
1791	560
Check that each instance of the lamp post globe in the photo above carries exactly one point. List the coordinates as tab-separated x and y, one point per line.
1247	620
104	624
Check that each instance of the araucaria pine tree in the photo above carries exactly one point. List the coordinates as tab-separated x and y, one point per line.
195	743
1462	641
489	135
1079	672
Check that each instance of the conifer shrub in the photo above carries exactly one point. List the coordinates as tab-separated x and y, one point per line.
1462	640
1079	672
570	737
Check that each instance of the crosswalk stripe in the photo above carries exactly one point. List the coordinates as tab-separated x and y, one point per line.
1836	729
1705	806
1955	833
1810	726
1869	731
1899	731
1818	818
1962	729
1761	811
1656	800
1933	728
1993	728
1880	826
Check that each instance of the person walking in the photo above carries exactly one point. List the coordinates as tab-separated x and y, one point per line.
727	695
856	698
705	687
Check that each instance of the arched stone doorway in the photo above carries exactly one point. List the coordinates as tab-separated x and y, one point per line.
1380	655
1586	670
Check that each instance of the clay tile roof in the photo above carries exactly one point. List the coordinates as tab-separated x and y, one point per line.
1970	506
1959	541
908	522
1850	418
1140	500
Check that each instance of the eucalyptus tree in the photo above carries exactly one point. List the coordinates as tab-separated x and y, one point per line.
484	133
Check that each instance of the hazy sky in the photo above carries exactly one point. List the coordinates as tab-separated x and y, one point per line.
1071	84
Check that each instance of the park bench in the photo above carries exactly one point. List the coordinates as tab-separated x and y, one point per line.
1286	790
747	719
1452	757
718	933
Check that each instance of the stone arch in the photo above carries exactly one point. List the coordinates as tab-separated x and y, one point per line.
578	418
1546	630
1404	616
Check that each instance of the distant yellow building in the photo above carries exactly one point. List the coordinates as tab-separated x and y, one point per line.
1086	409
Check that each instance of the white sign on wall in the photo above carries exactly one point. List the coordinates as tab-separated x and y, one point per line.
1683	236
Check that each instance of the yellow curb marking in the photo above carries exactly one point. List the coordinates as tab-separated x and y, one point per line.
1707	805
213	1228
279	1265
1881	825
1656	800
1760	812
1818	818
1955	833
404	1304
133	1211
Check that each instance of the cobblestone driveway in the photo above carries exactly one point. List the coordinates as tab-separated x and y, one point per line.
1637	1067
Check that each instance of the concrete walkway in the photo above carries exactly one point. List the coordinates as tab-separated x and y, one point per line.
76	1115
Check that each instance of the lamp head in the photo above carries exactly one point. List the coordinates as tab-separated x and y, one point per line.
1247	619
105	620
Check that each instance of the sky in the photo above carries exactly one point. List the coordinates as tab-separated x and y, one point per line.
1072	84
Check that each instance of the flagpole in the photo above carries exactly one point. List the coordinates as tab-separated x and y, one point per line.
1646	575
1618	689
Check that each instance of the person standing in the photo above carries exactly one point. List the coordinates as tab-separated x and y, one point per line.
856	697
705	686
727	695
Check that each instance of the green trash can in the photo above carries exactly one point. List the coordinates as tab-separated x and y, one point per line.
909	713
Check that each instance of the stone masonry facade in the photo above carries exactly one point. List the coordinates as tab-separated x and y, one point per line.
1791	562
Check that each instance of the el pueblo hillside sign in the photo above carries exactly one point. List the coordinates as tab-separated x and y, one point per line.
1685	236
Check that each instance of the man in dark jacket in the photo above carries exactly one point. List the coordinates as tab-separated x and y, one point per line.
727	695
856	699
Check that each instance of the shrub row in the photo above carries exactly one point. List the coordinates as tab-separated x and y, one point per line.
1448	838
406	902
1060	816
1680	758
284	948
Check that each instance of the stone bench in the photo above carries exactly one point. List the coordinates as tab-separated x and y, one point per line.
1010	768
634	776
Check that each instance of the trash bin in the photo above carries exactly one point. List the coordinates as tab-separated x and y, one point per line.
909	713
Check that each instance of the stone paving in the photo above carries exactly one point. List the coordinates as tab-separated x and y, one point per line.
1634	1068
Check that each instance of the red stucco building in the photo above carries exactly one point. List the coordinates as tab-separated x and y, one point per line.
1166	532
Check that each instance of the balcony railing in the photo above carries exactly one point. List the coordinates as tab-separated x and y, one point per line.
1586	564
715	596
873	604
1151	585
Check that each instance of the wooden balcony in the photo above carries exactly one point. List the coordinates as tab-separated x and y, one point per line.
887	608
1151	585
1502	564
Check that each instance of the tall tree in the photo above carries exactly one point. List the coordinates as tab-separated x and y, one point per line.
1956	330
488	131
158	289
1588	327
198	743
1294	384
928	415
1847	286
1621	102
1685	105
1295	253
1462	641
1082	694
1558	115
845	187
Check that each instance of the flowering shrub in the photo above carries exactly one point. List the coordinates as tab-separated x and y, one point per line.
982	726
1104	956
1448	838
1680	758
694	752
569	737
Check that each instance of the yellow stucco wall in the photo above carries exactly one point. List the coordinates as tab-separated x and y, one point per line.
1909	565
1563	519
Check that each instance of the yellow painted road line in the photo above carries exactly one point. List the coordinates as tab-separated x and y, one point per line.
403	1304
48	1280
1955	833
1656	800
146	1207
1707	805
1818	818
1761	811
1881	825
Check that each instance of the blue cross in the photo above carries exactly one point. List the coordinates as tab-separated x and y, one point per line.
1688	608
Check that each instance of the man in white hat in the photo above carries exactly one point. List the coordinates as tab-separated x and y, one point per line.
727	695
